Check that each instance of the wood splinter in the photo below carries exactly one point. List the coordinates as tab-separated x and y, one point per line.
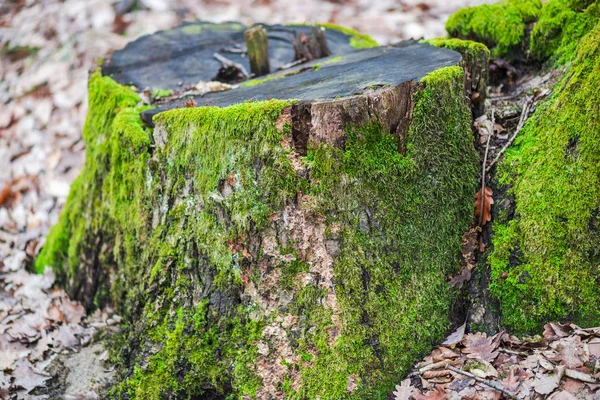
308	48
257	43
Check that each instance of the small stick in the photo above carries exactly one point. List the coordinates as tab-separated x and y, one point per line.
522	120
483	381
516	353
292	64
483	169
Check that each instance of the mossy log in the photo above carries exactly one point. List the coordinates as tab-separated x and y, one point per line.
291	238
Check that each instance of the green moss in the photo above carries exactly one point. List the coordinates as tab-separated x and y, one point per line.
260	81
171	241
467	48
317	66
112	126
501	26
358	40
550	248
560	27
157	93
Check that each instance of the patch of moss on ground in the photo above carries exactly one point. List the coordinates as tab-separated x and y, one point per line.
165	231
550	249
358	40
561	26
500	26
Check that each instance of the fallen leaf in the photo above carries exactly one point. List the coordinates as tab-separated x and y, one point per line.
482	369
73	311
404	390
480	346
547	383
512	381
562	395
488	395
455	337
437	394
580	376
4	193
570	352
464	276
483	205
554	331
443	353
27	377
594	349
572	386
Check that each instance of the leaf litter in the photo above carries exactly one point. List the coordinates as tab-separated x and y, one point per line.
563	363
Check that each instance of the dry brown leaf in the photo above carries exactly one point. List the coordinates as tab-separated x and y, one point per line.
455	337
404	390
594	349
73	311
554	331
4	193
580	376
464	276
488	395
27	377
437	394
512	381
562	395
572	386
547	383
436	374
443	353
483	205
570	352
480	346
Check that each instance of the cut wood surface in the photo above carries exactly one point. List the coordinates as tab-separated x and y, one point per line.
183	55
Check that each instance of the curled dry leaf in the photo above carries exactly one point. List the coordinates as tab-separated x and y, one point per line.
455	337
554	331
483	205
436	374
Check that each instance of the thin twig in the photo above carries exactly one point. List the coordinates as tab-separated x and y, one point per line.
292	64
522	120
228	63
487	148
483	381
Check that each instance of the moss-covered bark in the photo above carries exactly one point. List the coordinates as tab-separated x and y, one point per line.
501	26
550	249
249	271
549	246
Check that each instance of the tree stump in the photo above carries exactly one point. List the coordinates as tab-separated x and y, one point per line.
290	238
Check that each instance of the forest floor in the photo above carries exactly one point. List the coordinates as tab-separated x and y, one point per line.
49	347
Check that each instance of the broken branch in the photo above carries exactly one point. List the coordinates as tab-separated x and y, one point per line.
485	382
